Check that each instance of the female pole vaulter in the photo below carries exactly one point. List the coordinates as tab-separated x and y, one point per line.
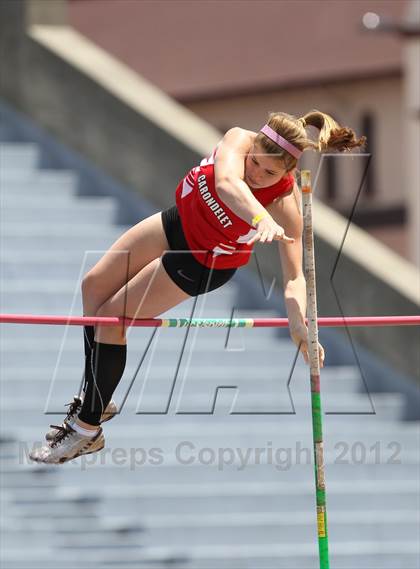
244	193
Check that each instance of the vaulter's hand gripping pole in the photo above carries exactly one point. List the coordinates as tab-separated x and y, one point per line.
309	262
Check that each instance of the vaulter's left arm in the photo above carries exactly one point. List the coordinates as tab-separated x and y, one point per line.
286	212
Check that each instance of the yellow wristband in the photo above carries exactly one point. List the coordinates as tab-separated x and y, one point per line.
258	218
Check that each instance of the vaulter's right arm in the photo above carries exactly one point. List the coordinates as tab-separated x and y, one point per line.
229	173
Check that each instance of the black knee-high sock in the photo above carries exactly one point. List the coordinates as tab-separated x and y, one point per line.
88	338
104	369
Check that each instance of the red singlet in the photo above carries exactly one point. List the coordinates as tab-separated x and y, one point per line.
209	224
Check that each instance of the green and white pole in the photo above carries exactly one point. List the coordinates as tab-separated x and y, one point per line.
309	263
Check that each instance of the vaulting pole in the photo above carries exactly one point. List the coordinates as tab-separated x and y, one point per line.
312	314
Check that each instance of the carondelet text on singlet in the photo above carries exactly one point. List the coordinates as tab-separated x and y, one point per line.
218	211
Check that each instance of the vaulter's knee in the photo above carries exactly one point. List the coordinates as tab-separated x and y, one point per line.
106	309
89	285
93	290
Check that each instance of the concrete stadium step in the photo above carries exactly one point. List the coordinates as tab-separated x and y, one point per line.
39	420
230	496
45	338
165	358
273	396
171	529
208	461
79	541
196	361
33	381
123	525
395	555
267	460
13	234
64	201
217	503
22	256
63	286
33	271
377	441
128	431
102	214
48	264
291	527
37	228
148	422
369	450
18	510
62	196
27	480
57	509
90	241
53	301
18	221
14	204
85	505
386	406
236	454
96	543
344	555
184	396
257	535
92	559
138	465
22	303
18	156
42	286
144	428
168	343
13	559
43	185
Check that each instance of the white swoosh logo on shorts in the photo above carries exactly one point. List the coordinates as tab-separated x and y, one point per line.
181	274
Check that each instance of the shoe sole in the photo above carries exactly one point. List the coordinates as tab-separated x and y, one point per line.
87	449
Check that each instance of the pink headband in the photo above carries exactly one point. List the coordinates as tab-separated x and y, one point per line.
272	135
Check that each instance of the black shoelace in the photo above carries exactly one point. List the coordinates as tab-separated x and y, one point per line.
73	407
63	431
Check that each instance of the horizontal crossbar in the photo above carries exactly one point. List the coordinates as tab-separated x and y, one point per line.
336	321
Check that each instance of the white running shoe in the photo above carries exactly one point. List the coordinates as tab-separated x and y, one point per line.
74	408
66	445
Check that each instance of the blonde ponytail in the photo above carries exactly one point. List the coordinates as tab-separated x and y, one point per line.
332	136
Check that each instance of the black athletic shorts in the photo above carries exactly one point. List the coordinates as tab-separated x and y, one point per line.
181	265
